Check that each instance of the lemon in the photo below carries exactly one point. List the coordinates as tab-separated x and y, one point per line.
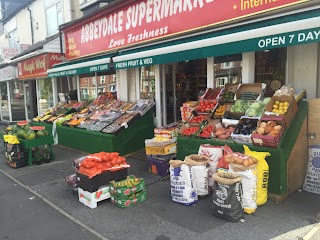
277	102
281	108
281	104
286	104
275	106
274	110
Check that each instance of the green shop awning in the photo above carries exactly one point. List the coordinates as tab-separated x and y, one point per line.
100	64
300	31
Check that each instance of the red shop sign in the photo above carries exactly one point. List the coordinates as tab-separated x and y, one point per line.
38	66
145	20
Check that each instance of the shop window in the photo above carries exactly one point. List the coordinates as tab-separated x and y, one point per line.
54	16
107	83
45	95
87	87
227	69
65	85
147	82
5	114
270	68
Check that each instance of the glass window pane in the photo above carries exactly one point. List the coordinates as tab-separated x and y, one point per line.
45	95
52	22
147	82
87	88
227	69
4	101
107	83
60	17
270	68
17	100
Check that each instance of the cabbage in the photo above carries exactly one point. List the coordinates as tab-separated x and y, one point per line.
266	100
251	112
256	105
240	106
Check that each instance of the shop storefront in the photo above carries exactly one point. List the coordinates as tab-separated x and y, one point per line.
13	95
41	91
89	77
173	63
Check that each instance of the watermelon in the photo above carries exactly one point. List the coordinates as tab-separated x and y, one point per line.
37	128
15	128
40	133
31	135
22	134
22	123
26	127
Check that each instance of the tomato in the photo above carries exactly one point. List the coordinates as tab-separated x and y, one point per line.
113	162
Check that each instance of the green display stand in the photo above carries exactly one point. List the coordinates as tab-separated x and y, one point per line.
127	141
27	145
279	156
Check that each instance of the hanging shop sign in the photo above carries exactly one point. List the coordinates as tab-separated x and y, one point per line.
7	73
38	66
80	70
146	20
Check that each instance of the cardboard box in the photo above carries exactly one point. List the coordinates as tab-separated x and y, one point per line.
258	88
161	150
266	140
91	199
229	87
291	112
93	184
241	138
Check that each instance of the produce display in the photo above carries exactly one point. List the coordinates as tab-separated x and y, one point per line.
240	106
280	107
207	132
190	131
104	114
248	96
24	131
223	133
98	163
220	111
246	127
270	128
205	106
228	97
198	119
241	159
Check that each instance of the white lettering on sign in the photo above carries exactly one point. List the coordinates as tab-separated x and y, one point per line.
303	37
137	15
134	63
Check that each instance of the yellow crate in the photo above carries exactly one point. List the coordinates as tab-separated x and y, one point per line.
169	149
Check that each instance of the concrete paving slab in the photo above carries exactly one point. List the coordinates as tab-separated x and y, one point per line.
24	216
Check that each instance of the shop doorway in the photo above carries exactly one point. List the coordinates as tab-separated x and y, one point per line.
182	82
4	102
30	99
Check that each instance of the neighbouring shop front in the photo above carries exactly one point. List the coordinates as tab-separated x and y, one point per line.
41	91
13	95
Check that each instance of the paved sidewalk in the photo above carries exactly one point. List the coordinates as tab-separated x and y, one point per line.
159	218
25	216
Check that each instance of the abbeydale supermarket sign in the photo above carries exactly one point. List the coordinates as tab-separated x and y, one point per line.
135	22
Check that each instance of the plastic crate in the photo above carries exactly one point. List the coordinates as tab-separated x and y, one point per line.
169	149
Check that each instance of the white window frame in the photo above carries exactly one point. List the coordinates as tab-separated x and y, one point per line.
227	65
60	9
13	38
102	79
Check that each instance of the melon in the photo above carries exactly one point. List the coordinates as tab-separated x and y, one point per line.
22	134
22	123
40	133
15	129
31	135
37	128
